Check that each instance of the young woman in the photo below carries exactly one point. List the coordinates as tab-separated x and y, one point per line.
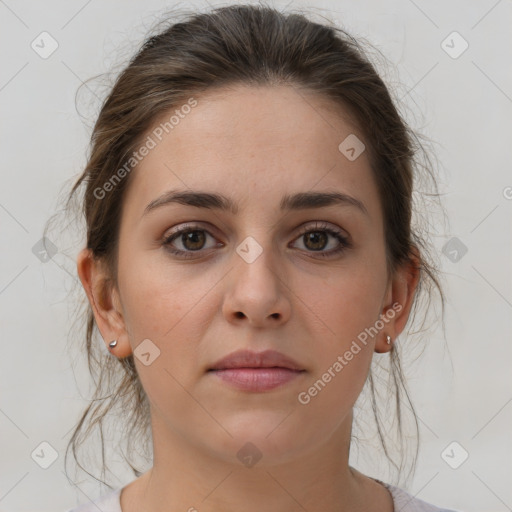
248	201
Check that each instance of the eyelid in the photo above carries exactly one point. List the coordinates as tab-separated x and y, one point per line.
321	225
191	225
303	229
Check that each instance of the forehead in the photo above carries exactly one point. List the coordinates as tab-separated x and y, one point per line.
254	144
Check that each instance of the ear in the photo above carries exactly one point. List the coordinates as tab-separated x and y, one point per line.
398	301
105	302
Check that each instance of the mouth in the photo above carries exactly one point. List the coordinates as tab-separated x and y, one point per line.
251	371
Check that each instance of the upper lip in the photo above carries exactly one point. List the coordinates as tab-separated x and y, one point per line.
249	359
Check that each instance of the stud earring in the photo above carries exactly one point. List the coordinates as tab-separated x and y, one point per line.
388	339
112	344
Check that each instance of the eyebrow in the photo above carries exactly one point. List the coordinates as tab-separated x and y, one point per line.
214	201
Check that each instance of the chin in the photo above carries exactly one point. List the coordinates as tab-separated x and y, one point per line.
265	439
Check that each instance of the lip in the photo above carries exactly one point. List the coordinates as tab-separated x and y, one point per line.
249	359
256	371
257	379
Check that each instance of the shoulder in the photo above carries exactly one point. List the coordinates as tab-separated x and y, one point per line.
110	502
406	502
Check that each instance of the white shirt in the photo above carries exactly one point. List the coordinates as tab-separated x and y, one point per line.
402	501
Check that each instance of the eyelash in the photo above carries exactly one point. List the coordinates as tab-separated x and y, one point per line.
318	227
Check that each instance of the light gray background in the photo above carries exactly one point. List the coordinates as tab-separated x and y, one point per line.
462	393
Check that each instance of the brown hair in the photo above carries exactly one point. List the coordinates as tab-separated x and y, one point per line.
252	45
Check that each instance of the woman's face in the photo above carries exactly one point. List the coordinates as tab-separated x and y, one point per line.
253	279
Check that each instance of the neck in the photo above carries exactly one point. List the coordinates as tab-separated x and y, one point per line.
189	477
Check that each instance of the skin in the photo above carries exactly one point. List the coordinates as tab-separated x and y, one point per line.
254	145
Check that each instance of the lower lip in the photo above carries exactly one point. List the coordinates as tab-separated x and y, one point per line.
257	379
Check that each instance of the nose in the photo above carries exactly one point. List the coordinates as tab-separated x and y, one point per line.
257	292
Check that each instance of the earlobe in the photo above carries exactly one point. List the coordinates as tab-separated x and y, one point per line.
100	293
121	350
400	298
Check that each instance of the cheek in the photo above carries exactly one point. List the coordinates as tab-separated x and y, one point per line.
164	306
346	303
170	306
156	297
341	311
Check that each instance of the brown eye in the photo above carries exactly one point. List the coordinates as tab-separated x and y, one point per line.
315	240
188	240
193	240
317	237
